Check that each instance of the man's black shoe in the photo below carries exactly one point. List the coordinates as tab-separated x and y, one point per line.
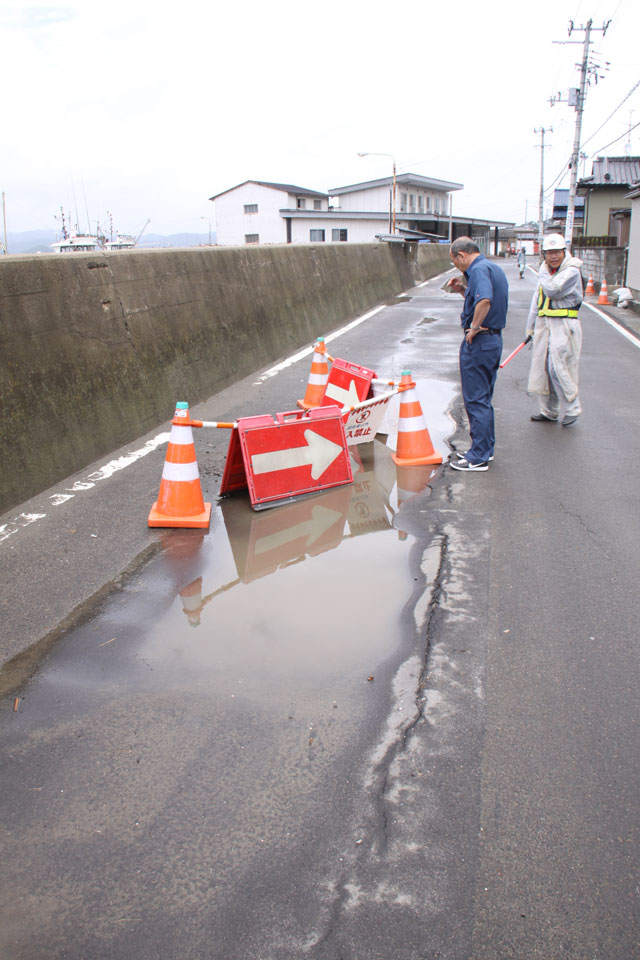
470	467
567	421
541	418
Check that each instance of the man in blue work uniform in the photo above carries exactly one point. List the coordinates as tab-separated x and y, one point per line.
483	318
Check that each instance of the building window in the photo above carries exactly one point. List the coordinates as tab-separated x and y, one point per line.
252	238
339	235
403	203
420	203
427	203
251	208
301	203
412	203
316	236
317	204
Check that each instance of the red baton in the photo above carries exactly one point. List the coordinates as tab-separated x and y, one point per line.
517	350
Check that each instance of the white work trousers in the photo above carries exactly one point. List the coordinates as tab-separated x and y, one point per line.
555	405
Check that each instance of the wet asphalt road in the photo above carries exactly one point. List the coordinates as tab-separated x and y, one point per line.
397	729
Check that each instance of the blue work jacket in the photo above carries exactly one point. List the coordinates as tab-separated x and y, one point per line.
486	281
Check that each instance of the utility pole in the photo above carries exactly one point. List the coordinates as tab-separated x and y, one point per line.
577	99
542	132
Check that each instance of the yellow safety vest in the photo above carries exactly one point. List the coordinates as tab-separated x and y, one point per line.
545	310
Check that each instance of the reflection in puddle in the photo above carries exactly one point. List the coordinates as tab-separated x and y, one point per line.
272	597
317	587
307	590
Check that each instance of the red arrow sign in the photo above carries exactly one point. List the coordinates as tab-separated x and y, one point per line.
317	452
348	383
297	454
345	397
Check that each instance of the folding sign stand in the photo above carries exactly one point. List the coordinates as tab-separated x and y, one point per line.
294	455
347	384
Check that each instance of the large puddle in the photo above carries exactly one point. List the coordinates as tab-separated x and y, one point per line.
289	595
293	595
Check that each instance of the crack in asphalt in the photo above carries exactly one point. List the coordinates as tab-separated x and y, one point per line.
576	516
399	746
343	886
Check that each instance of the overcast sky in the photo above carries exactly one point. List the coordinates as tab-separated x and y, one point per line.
146	109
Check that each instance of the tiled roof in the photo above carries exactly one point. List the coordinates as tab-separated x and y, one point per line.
561	197
613	172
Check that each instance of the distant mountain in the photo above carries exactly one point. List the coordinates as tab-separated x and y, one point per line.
31	241
39	241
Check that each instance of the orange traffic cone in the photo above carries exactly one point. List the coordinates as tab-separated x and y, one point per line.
410	481
318	377
180	502
192	604
603	298
414	444
590	291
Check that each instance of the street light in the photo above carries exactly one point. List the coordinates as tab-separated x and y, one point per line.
393	227
209	222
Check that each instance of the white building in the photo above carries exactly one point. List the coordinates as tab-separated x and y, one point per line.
253	211
260	212
418	199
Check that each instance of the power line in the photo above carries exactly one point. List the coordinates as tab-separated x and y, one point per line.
559	177
594	154
576	99
626	133
612	115
567	164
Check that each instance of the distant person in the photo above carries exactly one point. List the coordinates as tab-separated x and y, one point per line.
522	261
557	334
483	318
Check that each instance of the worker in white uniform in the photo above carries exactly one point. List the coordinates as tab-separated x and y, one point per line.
557	334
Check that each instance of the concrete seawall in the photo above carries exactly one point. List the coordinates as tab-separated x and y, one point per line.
96	348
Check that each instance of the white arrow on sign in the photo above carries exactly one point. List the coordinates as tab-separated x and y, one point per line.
319	453
348	398
322	519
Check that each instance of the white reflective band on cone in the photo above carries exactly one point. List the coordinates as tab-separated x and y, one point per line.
318	378
191	603
180	435
180	471
411	424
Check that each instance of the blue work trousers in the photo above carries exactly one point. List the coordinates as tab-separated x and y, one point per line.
479	363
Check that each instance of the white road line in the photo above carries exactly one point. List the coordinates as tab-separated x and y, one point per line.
614	323
272	371
57	499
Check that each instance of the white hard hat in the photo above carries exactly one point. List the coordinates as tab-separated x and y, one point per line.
554	241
